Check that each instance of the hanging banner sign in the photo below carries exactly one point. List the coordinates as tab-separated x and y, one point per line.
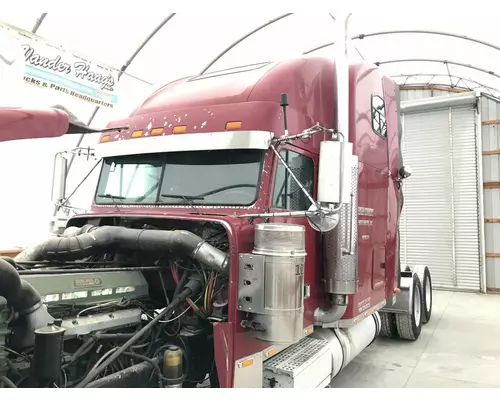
52	67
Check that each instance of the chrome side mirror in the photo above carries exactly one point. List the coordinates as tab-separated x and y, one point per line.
334	172
59	176
405	172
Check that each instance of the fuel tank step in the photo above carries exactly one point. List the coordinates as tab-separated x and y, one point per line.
315	360
298	365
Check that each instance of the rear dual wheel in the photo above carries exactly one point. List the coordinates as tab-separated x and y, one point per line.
425	278
388	326
404	326
410	326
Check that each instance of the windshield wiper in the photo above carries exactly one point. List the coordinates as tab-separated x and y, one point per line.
228	187
185	197
189	199
111	196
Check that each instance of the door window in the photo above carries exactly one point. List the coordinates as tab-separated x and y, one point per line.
287	193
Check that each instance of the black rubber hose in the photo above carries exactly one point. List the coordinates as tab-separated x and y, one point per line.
178	288
10	281
10	260
7	382
120	238
28	297
34	253
136	371
114	336
19	294
192	287
81	351
181	284
150	361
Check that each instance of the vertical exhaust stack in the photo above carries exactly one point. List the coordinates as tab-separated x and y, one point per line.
342	80
339	244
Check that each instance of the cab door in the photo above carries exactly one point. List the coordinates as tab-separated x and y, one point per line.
391	100
377	189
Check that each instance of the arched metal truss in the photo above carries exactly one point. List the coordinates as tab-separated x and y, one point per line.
241	39
399	32
318	48
432	60
38	22
445	62
144	43
433	87
459	79
426	32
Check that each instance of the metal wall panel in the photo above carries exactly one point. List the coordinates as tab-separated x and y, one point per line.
415	94
490	113
466	198
440	221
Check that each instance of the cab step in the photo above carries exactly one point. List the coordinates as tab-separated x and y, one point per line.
306	364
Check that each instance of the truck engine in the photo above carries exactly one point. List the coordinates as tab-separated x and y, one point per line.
127	303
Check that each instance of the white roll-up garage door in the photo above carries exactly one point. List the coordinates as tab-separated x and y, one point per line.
440	226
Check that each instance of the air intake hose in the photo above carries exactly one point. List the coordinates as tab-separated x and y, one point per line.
89	240
18	293
24	299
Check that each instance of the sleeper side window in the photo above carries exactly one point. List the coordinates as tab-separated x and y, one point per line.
287	194
379	123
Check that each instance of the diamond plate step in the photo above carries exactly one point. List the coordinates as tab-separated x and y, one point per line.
296	358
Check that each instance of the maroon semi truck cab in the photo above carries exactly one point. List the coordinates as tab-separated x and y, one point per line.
271	193
200	151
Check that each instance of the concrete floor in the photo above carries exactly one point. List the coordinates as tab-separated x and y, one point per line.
459	347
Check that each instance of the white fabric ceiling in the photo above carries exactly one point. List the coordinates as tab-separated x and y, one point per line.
187	43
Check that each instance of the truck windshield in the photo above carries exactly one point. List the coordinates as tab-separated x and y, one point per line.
220	177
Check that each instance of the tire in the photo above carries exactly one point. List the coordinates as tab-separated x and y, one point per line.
398	264
425	277
388	326
410	326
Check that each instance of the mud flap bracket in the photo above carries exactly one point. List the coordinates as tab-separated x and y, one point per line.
403	303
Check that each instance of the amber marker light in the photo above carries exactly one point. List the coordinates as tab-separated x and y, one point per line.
156	131
246	363
180	129
232	125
